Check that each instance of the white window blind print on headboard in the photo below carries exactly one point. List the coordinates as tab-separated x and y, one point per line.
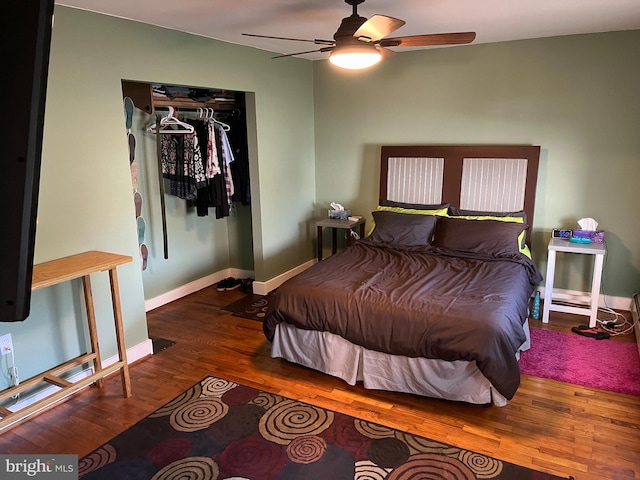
415	180
493	184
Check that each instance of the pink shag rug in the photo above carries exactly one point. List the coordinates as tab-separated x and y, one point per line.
572	358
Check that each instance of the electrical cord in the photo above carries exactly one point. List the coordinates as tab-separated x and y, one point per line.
617	324
12	374
14	377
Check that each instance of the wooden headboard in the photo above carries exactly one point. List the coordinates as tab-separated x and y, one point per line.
494	178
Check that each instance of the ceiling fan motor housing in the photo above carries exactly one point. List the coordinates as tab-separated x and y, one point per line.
348	27
349	24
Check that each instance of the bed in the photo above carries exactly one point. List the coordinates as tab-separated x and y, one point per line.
434	301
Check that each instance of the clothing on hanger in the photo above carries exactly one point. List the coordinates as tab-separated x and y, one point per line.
227	159
182	165
213	163
199	161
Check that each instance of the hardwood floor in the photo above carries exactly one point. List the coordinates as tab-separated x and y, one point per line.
551	426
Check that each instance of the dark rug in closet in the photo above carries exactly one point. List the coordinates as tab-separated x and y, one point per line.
252	306
160	344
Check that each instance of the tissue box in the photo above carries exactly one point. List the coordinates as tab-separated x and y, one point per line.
596	236
339	214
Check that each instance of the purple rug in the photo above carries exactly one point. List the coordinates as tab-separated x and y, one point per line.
572	358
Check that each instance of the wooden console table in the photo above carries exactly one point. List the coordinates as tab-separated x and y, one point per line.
62	270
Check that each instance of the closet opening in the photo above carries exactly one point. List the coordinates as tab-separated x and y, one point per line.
191	187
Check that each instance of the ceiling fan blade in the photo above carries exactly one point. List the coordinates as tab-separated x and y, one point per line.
377	27
323	49
429	40
316	41
385	52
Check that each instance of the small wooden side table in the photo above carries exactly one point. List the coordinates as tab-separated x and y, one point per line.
336	224
578	305
62	270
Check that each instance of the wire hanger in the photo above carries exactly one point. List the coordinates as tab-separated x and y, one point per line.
208	114
171	125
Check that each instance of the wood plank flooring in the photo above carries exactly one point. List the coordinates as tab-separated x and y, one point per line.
551	426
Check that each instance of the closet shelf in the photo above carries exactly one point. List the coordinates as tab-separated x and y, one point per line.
142	95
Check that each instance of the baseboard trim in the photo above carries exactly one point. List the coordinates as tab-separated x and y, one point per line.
135	353
263	288
604	301
260	288
194	286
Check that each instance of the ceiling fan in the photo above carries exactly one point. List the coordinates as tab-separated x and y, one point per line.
360	43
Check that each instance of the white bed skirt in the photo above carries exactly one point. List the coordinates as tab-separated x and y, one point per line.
331	354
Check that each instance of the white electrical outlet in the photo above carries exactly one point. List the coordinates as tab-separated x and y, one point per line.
6	344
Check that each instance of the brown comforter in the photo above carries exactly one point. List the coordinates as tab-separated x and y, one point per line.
417	302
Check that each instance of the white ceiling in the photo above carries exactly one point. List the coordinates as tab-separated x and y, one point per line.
492	20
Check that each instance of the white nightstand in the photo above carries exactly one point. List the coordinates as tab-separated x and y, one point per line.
577	304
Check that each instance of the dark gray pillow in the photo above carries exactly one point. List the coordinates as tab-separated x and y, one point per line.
402	229
490	237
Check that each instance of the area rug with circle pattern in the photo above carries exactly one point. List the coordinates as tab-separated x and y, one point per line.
220	429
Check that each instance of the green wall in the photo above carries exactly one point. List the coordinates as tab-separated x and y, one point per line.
578	97
85	200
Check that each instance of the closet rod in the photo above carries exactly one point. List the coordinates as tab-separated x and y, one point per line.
195	109
186	104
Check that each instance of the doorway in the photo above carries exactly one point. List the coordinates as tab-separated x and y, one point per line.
188	245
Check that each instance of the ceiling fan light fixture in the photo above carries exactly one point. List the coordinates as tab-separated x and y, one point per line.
355	57
361	43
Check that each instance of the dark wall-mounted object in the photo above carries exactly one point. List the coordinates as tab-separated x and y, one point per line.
26	38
